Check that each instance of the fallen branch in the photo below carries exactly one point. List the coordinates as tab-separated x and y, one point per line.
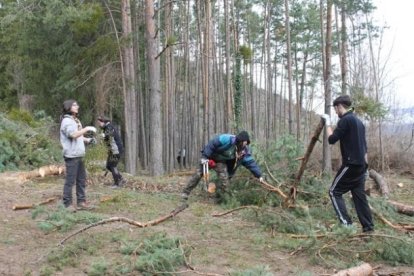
402	208
129	221
400	227
364	269
271	175
380	182
235	209
271	188
23	207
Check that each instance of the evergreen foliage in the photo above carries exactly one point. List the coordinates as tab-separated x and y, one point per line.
62	219
25	142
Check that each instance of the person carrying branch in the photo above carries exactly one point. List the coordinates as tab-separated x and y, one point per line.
115	149
224	154
350	132
73	144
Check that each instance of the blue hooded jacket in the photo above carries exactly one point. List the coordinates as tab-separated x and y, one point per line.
222	149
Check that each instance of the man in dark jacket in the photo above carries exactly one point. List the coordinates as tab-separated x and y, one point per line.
115	149
224	153
350	132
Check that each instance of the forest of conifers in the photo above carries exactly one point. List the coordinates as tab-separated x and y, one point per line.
172	74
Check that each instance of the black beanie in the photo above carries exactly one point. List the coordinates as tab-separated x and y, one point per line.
243	136
344	100
67	105
103	119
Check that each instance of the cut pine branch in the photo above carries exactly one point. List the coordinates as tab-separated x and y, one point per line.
272	188
129	221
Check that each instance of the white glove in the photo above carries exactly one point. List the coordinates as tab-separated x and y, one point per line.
90	128
203	161
327	119
261	179
103	135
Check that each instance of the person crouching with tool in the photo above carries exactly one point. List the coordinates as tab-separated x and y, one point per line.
224	153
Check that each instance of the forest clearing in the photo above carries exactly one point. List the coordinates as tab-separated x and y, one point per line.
237	243
134	96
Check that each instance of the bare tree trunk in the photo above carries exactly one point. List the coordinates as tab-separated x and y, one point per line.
229	105
289	65
344	50
130	104
327	163
156	164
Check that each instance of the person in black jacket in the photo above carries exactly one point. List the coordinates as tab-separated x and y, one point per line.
115	149
350	132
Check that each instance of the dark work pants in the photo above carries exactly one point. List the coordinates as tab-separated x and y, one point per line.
75	173
221	170
351	178
111	165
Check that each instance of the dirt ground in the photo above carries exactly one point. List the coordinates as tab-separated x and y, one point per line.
219	245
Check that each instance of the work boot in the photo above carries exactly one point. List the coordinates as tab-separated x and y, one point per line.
70	208
122	182
115	186
84	206
184	196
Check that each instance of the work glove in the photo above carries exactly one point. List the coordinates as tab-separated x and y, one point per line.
92	141
261	179
203	160
327	119
90	128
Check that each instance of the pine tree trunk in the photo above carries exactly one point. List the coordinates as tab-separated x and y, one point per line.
289	66
156	149
327	163
130	106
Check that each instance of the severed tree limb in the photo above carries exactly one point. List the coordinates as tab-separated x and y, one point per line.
23	207
380	182
235	209
382	186
271	175
173	213
402	208
305	160
399	227
271	188
364	269
42	172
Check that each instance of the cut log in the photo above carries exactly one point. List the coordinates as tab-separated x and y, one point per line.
42	172
23	207
380	182
364	269
402	208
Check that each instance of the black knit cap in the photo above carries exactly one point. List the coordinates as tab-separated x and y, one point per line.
67	105
103	119
344	100
243	136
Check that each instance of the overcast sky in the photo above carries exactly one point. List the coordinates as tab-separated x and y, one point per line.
399	43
